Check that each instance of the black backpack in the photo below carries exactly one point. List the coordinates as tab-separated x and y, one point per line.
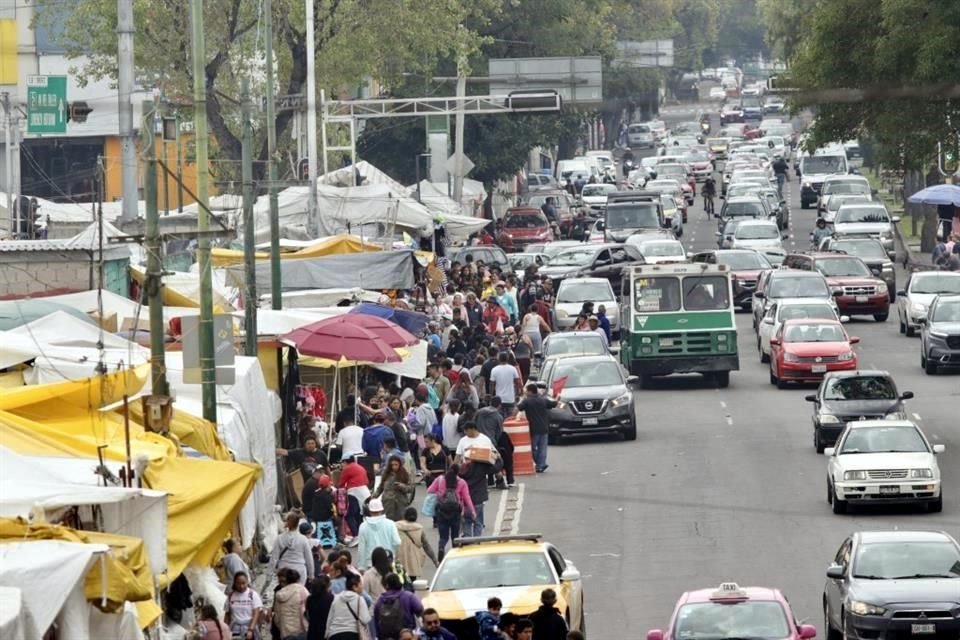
390	619
448	506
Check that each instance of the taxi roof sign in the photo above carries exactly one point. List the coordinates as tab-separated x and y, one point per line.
729	591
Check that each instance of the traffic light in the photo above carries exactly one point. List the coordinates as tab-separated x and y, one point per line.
534	101
78	111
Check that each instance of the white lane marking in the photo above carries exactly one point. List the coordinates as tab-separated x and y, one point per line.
605	555
501	511
723	404
916	416
515	524
729	421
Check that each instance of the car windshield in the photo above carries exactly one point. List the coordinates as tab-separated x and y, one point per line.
799	288
837	201
853	188
671	170
743	260
905	560
604	373
573	257
757	232
814	333
753	619
492	571
663	185
864	249
584	291
947	311
893	439
525	221
540	200
743	209
717	143
823	164
862	214
559	343
522	260
838	267
750	101
805	311
639	215
551	249
597	189
935	283
697	156
661	249
638	128
705	293
860	388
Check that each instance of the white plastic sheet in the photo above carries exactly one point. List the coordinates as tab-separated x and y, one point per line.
12	615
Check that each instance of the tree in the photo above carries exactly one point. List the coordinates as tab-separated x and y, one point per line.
785	24
741	32
354	39
698	22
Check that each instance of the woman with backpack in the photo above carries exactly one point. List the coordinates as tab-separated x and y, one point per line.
395	610
453	503
395	489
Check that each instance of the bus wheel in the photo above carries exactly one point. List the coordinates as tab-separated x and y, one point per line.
646	380
721	379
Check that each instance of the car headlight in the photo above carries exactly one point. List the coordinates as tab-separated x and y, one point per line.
845	357
886	233
790	357
622	400
806	185
887	267
918	307
865	608
854	475
561	405
829	418
921	473
937	334
881	288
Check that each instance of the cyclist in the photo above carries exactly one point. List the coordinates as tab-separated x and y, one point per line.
780	169
709	192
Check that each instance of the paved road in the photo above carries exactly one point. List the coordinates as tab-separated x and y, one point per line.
722	484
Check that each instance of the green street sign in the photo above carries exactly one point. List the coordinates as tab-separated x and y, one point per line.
47	104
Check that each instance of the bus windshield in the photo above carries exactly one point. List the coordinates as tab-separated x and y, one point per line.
638	215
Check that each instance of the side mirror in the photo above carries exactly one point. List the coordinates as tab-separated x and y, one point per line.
836	293
939	448
420	585
835	572
844	319
767	320
569	575
655	634
906	395
719	234
854	340
774	341
810	398
759	295
895	219
830	451
538	354
902	292
807	632
541	385
633	381
921	321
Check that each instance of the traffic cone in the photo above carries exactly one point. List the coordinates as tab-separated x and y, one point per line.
518	429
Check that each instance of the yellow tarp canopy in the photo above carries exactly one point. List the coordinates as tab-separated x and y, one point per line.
91	393
174	298
128	576
334	245
189	430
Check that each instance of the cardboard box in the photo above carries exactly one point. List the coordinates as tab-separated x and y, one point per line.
480	454
142	324
108	322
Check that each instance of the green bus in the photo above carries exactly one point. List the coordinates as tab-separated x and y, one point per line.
678	318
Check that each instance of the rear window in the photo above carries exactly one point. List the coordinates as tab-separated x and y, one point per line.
862	214
743	209
794	287
757	232
639	128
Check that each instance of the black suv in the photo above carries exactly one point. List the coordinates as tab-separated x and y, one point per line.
893	585
847	396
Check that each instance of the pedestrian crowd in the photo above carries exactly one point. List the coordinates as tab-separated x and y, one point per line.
946	255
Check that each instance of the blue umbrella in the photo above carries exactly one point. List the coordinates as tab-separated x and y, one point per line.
412	321
941	194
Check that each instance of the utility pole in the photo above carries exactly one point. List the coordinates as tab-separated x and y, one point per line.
313	224
179	146
208	371
158	367
249	246
8	166
18	205
128	151
166	176
276	298
458	141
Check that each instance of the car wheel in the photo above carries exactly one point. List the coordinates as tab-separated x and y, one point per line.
929	366
936	506
831	633
721	379
881	317
764	357
630	433
773	378
818	444
910	331
829	493
839	506
781	383
903	327
804	204
583	619
646	380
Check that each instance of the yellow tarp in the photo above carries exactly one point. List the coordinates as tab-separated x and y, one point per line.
127	567
334	245
189	430
174	298
91	393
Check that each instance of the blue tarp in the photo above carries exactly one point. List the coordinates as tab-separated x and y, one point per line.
412	321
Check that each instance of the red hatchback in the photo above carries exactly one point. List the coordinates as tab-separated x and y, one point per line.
523	226
804	349
733	612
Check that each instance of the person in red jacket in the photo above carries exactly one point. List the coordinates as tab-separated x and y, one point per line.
494	317
354	480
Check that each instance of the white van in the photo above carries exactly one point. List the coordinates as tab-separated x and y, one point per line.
568	170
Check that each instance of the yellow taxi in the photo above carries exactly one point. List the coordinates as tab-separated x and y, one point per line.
513	568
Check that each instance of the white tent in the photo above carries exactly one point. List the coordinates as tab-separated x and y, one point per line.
246	414
125	308
435	195
50	576
67	349
40	488
13	622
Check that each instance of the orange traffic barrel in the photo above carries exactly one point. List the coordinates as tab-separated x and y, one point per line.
518	429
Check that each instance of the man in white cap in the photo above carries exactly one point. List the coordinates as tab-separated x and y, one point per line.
595	327
376	531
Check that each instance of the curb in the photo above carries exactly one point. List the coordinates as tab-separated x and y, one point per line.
905	255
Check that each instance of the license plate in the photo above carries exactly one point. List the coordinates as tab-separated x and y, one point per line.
891	491
861	298
923	628
819	368
589	422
